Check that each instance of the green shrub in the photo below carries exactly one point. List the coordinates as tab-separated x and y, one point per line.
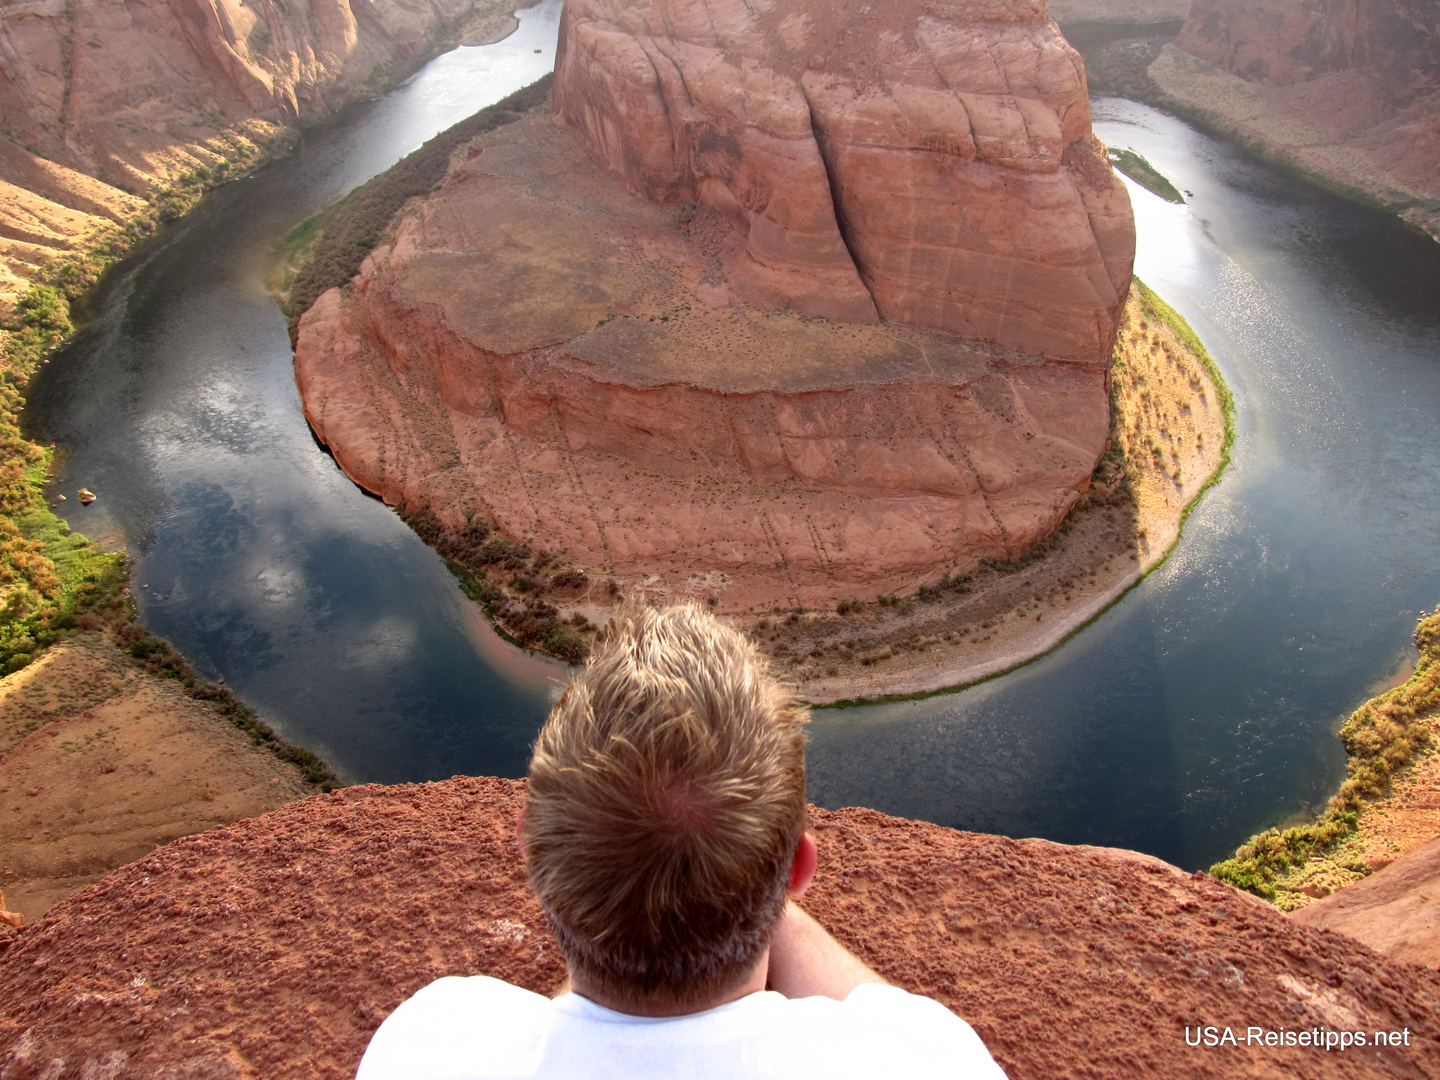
474	552
1380	737
160	659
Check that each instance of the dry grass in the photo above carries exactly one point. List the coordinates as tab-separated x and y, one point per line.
1384	738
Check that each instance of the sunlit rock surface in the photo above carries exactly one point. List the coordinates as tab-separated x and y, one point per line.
272	948
103	99
927	162
1396	911
780	308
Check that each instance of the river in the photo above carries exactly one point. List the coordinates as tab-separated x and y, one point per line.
1199	708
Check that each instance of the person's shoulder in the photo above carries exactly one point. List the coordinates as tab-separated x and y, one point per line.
906	1033
436	1032
471	989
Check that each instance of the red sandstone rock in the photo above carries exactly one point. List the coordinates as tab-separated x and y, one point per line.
1396	911
771	330
82	77
541	347
273	948
134	92
928	161
1350	89
1279	42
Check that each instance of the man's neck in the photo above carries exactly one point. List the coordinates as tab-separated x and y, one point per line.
752	982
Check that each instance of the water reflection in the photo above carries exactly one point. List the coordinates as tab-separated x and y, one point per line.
1202	707
1195	711
259	559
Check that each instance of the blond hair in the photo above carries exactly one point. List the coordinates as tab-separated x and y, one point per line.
665	804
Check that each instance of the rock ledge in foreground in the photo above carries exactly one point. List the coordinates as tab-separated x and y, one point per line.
274	947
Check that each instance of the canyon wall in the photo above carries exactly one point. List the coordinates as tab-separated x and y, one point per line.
926	163
1278	42
786	306
1348	89
102	100
272	948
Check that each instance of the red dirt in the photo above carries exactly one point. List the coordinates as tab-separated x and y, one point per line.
273	947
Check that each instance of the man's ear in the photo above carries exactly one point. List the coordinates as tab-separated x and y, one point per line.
802	870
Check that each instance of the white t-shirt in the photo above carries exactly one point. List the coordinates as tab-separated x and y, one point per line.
479	1027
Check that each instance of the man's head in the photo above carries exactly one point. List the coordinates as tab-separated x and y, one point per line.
665	806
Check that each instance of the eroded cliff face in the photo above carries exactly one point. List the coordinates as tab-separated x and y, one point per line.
1347	88
799	319
540	347
918	161
273	948
1278	42
102	99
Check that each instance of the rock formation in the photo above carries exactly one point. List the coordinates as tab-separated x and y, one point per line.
929	162
1349	89
274	947
789	304
102	100
1396	911
1280	42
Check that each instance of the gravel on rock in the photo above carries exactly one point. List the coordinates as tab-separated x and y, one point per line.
273	947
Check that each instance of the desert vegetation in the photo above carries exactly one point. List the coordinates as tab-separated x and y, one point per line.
1382	739
325	251
1146	175
519	588
49	576
157	657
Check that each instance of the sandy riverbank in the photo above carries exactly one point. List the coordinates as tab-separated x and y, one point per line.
1389	804
1169	441
101	762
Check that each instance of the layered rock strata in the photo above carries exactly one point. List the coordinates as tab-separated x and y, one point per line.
274	947
769	314
103	100
1349	90
923	162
